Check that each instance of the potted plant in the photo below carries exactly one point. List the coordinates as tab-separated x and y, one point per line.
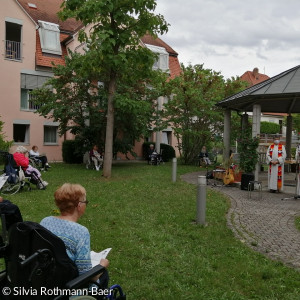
247	148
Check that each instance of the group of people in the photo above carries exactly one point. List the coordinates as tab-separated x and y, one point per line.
72	203
21	157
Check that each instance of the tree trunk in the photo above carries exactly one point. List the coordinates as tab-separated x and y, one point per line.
108	155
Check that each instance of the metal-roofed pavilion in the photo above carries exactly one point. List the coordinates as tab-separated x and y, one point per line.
279	94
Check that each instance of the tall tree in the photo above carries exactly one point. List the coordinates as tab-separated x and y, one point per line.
79	103
4	144
191	109
114	44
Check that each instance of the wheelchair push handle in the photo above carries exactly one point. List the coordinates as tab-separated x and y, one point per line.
42	253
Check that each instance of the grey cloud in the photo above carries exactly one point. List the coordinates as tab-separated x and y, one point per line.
234	29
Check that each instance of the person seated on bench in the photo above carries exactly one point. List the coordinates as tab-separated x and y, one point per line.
71	202
43	158
204	155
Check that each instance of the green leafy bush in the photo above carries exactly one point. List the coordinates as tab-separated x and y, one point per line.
269	127
168	151
72	152
4	145
247	148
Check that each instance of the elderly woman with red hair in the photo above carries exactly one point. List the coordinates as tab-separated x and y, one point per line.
71	202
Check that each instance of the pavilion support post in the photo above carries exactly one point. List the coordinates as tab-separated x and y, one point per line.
288	141
256	131
245	118
226	135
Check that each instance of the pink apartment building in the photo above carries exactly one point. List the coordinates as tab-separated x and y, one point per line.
32	37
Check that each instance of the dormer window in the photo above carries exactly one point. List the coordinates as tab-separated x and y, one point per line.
49	37
162	62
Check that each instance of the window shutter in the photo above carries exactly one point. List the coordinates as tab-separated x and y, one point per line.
31	82
24	98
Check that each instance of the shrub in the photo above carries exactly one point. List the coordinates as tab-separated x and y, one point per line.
72	152
247	148
4	145
168	151
269	127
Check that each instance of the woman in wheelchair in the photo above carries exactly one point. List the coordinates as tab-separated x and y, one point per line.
96	157
35	155
71	202
23	162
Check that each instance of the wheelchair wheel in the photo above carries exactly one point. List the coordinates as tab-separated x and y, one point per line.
11	188
35	163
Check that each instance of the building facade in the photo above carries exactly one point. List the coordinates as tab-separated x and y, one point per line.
32	38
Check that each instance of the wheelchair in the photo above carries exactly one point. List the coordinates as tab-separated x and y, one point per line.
89	162
10	182
36	264
35	162
156	159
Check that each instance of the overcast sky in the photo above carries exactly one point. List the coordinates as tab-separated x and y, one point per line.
234	36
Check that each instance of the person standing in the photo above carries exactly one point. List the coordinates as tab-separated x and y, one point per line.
276	156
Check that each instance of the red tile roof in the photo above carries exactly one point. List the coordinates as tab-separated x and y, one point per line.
276	114
148	39
45	60
47	11
174	65
254	77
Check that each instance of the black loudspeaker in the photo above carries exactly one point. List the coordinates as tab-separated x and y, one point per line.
245	180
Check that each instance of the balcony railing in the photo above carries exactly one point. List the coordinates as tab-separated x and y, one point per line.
12	50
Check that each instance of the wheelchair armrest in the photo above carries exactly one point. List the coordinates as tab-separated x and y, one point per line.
81	280
85	278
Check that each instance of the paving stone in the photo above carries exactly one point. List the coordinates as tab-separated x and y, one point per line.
268	222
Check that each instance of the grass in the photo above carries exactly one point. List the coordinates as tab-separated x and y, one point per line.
297	223
157	250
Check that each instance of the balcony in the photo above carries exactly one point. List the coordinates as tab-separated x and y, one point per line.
12	50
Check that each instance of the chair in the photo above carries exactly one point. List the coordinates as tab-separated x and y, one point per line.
37	266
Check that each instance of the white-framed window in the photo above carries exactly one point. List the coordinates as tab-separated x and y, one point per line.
166	136
27	101
49	37
51	133
30	82
13	38
21	131
162	61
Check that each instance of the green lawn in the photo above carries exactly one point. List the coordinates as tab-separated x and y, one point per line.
157	250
